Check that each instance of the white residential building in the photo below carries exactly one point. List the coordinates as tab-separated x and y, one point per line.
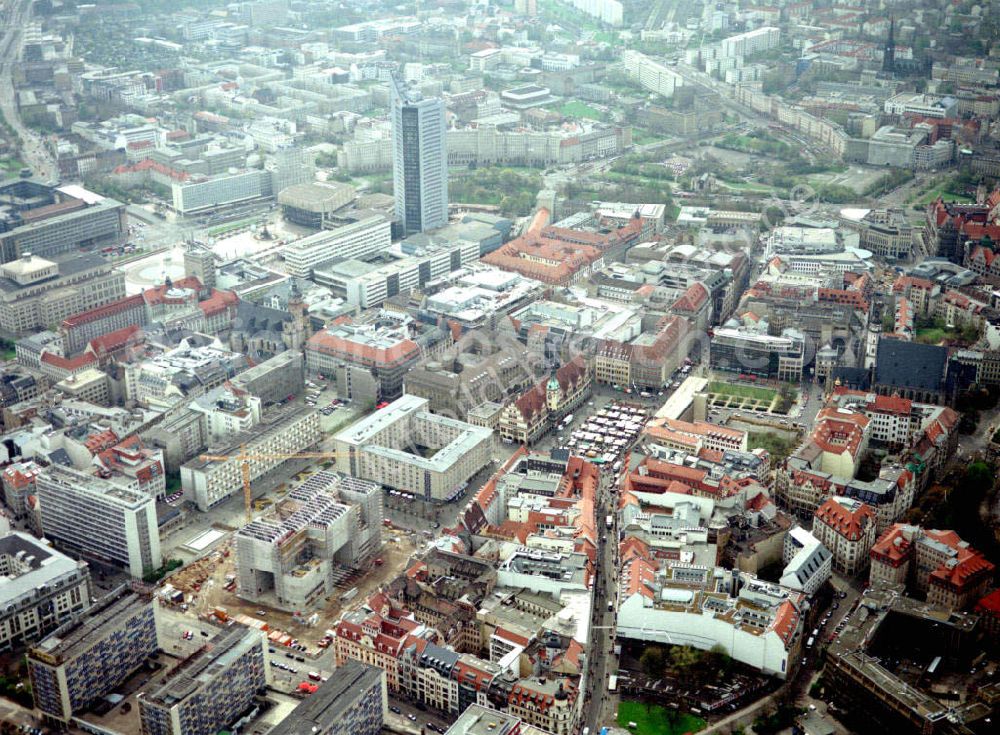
751	42
651	74
606	11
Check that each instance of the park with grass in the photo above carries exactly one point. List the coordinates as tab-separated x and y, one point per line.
751	397
652	719
577	109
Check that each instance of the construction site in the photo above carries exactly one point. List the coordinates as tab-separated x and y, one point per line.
317	547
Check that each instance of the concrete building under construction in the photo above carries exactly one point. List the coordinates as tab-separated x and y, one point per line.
293	558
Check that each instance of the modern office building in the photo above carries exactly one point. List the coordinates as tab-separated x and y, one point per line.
36	292
89	657
420	159
360	239
754	352
212	689
98	518
404	446
207	194
41	589
369	284
47	222
352	702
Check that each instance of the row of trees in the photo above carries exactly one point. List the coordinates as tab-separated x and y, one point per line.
657	662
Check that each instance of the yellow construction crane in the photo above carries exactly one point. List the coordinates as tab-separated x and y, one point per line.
245	457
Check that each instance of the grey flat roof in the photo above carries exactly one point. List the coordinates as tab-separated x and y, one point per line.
46	564
327	705
85	632
69	265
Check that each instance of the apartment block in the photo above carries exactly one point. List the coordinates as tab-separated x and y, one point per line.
211	689
651	74
89	657
99	518
288	429
42	589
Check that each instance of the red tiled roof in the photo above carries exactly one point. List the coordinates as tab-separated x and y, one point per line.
849	524
116	340
989	605
786	621
692	299
332	344
218	302
68	363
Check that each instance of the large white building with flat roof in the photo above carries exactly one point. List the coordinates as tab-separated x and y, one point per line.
100	519
405	446
359	239
757	623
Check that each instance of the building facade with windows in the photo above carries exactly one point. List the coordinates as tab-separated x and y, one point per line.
99	518
43	589
420	159
405	446
360	239
290	429
847	528
213	688
36	293
88	658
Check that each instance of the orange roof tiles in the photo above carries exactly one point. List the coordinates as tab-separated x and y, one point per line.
68	363
333	344
692	300
848	523
85	317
